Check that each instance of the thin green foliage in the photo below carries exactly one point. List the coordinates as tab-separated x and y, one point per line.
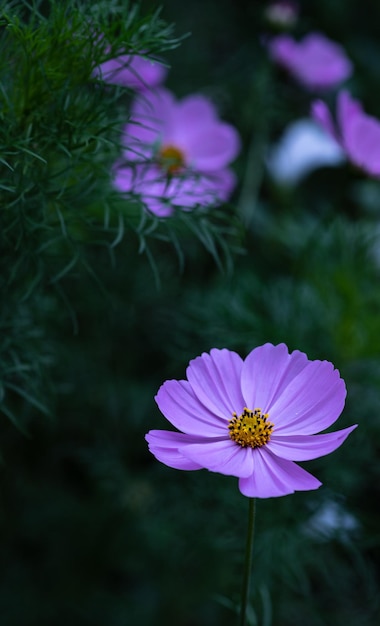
60	136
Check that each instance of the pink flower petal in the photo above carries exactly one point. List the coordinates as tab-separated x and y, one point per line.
348	110
195	109
147	182
316	62
362	142
311	402
138	140
215	380
177	401
123	179
359	133
164	445
322	115
222	183
266	372
132	70
274	477
161	194
321	63
211	148
159	105
151	117
223	456
191	190
307	447
282	49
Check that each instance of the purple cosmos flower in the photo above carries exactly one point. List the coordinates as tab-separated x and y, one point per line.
316	62
177	153
252	418
357	132
133	71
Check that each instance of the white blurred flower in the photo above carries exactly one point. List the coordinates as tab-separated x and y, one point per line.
331	520
282	13
303	148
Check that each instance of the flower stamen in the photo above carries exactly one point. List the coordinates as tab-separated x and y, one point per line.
171	159
251	428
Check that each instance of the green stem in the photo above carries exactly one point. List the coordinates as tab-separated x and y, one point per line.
252	179
248	563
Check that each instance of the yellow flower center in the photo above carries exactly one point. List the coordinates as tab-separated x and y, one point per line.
251	428
171	158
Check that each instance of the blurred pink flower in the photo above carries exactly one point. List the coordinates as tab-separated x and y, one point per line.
357	132
252	418
161	193
133	71
316	62
177	152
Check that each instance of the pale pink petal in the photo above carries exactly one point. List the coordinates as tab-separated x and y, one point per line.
195	109
159	104
189	190
177	401
316	62
359	133
282	50
266	372
215	380
161	194
152	115
133	71
274	477
321	63
123	179
157	207
311	402
211	148
143	182
144	73
321	114
146	181
222	183
307	447
347	110
186	192
193	115
145	128
138	141
202	190
164	445
224	457
362	142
